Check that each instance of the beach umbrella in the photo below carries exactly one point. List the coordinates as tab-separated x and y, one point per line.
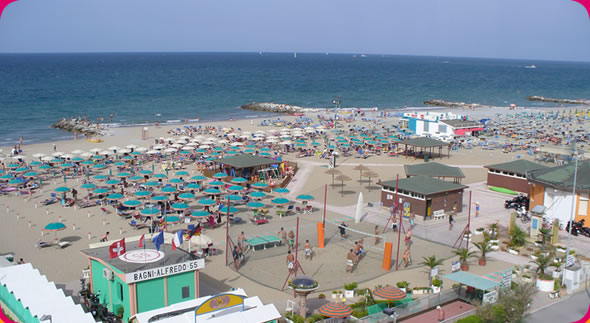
193	186
88	186
255	205
280	201
135	178
21	169
281	190
128	158
199	178
173	219
100	177
113	182
233	198
30	174
186	196
305	197
389	293
2	171
124	174
54	227
201	240
235	188
176	181
152	183
168	189
45	167
115	196
142	194
13	166
101	191
216	183
180	206
212	191
6	177
370	174
87	162
199	214
150	212
62	189
337	310
67	165
119	164
206	202
343	178
160	175
333	171
220	175
182	173
132	203
260	185
16	182
258	195
361	168
160	198
239	180
99	166
224	210
145	172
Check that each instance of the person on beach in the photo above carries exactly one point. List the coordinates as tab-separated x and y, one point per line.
291	240
283	235
290	260
21	261
377	231
451	221
412	220
476	209
241	238
54	147
441	313
105	237
74	194
307	250
236	256
350	261
342	227
407	257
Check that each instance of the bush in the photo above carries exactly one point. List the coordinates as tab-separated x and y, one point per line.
314	318
402	284
470	319
437	282
351	286
360	313
295	317
322	296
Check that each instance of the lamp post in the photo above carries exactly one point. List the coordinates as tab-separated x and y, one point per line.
569	235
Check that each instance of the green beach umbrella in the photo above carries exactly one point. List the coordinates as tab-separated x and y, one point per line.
55	226
115	196
232	210
180	206
160	198
113	182
235	188
281	190
199	178
260	185
239	180
168	189
88	186
216	183
101	191
199	214
212	191
255	205
100	177
62	189
132	203
258	195
193	186
220	175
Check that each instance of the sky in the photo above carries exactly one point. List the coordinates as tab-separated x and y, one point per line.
526	29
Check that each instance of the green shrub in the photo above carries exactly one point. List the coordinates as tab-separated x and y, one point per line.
470	319
402	284
437	282
314	318
295	317
351	286
360	313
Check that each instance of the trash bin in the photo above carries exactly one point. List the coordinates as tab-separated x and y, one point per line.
426	157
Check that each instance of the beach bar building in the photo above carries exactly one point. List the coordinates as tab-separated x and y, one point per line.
440	124
424	147
425	194
141	279
552	188
512	175
247	165
233	306
435	170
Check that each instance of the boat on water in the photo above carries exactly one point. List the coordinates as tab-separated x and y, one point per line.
531	66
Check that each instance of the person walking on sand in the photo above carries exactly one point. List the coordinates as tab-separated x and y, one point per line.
350	261
476	209
290	260
291	240
307	250
342	228
241	238
283	235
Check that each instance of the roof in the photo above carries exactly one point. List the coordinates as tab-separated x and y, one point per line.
170	257
519	166
255	311
433	170
41	296
424	185
562	177
458	123
472	280
246	161
424	142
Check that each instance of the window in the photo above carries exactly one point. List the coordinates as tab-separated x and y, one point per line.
120	290
186	292
583	205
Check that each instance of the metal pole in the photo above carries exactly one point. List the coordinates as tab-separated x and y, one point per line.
569	235
468	219
296	247
399	231
227	236
325	201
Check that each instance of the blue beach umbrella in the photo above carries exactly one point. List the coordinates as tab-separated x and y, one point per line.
193	186
113	182
305	197
62	189
45	167
21	169
145	172
233	198
260	185
199	178
30	174
136	178
88	186
16	182
142	194
124	174
100	177
160	176
280	201
206	202
132	203
220	175
239	180
168	189
67	165
152	183
55	226
212	191
173	219
115	196
232	210
87	162
258	195
200	214
99	166
186	196
150	212
265	154
6	177
281	190
15	166
176	181
255	205
235	188
216	183
101	191
180	206
159	198
182	173
35	163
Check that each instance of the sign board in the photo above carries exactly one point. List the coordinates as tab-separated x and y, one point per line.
219	302
507	279
570	260
490	297
434	272
456	266
164	271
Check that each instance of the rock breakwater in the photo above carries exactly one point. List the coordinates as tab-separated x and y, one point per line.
275	107
553	100
79	126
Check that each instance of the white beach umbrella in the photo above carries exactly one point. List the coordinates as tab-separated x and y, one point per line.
180	141
235	144
57	153
286	142
140	149
131	146
39	155
104	152
114	148
158	147
207	142
185	137
271	140
47	158
85	155
191	144
201	240
176	145
77	152
95	150
125	151
246	133
170	150
188	148
67	156
152	152
204	146
258	139
244	136
223	141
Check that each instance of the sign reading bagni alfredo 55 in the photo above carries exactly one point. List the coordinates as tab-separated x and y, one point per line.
164	271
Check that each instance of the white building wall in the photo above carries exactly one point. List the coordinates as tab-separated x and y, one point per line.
558	204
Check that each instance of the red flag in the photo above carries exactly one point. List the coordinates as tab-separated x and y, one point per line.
141	241
117	248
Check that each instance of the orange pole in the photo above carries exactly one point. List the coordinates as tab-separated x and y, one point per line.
320	235
387	256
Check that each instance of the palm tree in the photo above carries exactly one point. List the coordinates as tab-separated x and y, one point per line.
542	263
494	228
484	247
545	234
431	262
464	255
517	237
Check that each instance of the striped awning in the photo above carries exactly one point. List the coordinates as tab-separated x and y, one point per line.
390	293
335	310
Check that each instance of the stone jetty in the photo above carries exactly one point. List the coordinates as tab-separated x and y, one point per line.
79	126
275	107
451	104
565	101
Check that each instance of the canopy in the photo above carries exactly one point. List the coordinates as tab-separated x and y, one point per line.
390	293
335	310
472	280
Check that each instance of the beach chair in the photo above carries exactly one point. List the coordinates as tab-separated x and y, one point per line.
61	244
309	209
136	225
298	210
105	211
42	244
289	209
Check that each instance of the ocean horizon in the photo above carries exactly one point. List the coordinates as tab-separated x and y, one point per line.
137	87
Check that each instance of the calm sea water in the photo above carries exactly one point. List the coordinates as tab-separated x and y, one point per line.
40	89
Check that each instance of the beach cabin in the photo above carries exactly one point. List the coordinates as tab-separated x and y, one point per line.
435	170
552	188
424	194
512	175
143	279
233	306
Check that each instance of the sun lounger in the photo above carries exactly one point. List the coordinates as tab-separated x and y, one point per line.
42	244
49	201
136	225
61	244
105	211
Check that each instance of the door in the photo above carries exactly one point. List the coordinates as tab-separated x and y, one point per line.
429	208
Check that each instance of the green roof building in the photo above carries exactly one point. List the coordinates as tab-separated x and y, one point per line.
435	170
424	147
512	175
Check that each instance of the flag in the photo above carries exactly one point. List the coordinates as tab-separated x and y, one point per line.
117	248
159	240
141	240
177	240
196	230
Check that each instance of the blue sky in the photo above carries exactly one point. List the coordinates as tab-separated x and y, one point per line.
531	29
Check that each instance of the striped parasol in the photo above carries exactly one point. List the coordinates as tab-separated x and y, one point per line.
335	310
390	293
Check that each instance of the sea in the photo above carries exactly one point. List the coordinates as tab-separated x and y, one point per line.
39	89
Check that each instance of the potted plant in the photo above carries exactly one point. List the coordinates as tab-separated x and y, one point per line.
322	296
479	231
517	238
436	285
484	247
493	230
544	282
467	235
336	294
349	289
120	312
403	285
557	271
560	249
431	262
526	278
464	255
494	245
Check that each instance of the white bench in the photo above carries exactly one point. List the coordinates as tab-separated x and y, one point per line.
438	215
